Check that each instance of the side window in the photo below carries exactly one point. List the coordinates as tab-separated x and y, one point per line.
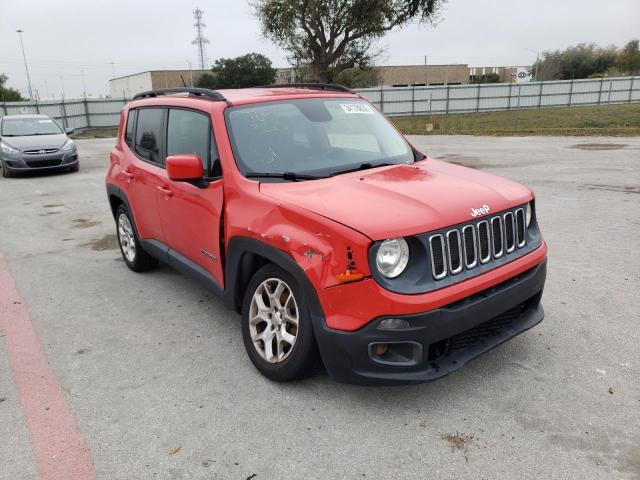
190	132
148	129
131	123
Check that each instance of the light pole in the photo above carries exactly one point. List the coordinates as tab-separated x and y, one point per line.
113	70
84	86
20	32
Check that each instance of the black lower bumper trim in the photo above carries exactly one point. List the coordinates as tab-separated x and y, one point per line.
449	336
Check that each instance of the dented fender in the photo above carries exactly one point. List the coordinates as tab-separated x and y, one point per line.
322	248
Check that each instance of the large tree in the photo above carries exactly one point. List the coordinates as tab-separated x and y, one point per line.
580	61
331	36
8	94
629	58
250	70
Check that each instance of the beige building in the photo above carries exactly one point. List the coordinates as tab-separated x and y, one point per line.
390	76
404	75
129	85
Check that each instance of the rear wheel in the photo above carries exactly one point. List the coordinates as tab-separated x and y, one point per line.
136	258
276	326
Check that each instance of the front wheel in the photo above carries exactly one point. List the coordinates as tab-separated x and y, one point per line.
3	169
276	326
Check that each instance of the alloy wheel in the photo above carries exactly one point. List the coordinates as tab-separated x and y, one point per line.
127	238
273	320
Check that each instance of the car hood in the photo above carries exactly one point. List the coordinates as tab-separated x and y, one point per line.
33	142
402	200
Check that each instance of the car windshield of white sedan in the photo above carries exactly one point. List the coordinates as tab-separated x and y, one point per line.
313	137
24	127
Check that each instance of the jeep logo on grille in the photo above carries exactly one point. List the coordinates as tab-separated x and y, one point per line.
483	210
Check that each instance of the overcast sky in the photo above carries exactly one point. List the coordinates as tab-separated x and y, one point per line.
64	37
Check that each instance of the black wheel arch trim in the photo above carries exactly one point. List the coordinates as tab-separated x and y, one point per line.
240	246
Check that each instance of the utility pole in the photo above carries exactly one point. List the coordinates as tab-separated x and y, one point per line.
191	73
20	32
426	72
62	84
113	70
200	39
84	86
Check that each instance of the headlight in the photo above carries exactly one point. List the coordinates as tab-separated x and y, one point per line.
7	149
528	214
68	145
392	257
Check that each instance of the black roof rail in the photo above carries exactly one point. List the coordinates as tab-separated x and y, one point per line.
192	91
313	86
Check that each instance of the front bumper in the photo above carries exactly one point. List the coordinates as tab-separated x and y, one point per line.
436	342
46	162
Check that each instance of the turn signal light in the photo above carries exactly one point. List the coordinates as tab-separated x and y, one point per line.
349	276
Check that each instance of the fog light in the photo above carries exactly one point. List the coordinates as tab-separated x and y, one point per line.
393	323
382	348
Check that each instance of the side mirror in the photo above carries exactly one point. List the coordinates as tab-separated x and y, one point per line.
68	130
182	168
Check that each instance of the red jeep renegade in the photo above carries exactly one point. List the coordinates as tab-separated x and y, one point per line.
312	216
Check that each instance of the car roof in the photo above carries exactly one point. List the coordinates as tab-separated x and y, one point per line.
243	96
249	95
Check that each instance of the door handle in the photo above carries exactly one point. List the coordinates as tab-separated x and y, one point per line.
127	174
166	191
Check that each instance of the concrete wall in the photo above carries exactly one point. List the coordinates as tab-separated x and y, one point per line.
407	75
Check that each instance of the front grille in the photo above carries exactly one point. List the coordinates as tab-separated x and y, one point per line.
42	151
475	335
44	163
477	243
454	252
480	333
438	257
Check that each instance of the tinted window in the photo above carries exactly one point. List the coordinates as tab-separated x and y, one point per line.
131	123
188	132
148	134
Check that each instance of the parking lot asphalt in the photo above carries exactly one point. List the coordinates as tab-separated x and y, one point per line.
155	374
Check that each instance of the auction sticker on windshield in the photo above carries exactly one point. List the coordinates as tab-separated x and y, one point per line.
356	108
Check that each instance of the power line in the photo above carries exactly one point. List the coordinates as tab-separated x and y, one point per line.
200	39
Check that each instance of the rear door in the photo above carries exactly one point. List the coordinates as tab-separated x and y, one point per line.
144	169
190	214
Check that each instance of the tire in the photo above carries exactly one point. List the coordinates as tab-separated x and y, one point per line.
5	172
136	258
274	327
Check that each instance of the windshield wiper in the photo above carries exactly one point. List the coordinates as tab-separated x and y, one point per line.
362	166
284	175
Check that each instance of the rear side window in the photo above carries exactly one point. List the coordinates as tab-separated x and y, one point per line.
131	124
189	132
149	127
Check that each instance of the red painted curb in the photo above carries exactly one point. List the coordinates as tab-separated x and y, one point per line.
60	448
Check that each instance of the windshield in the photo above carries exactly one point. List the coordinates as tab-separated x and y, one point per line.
313	136
22	127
